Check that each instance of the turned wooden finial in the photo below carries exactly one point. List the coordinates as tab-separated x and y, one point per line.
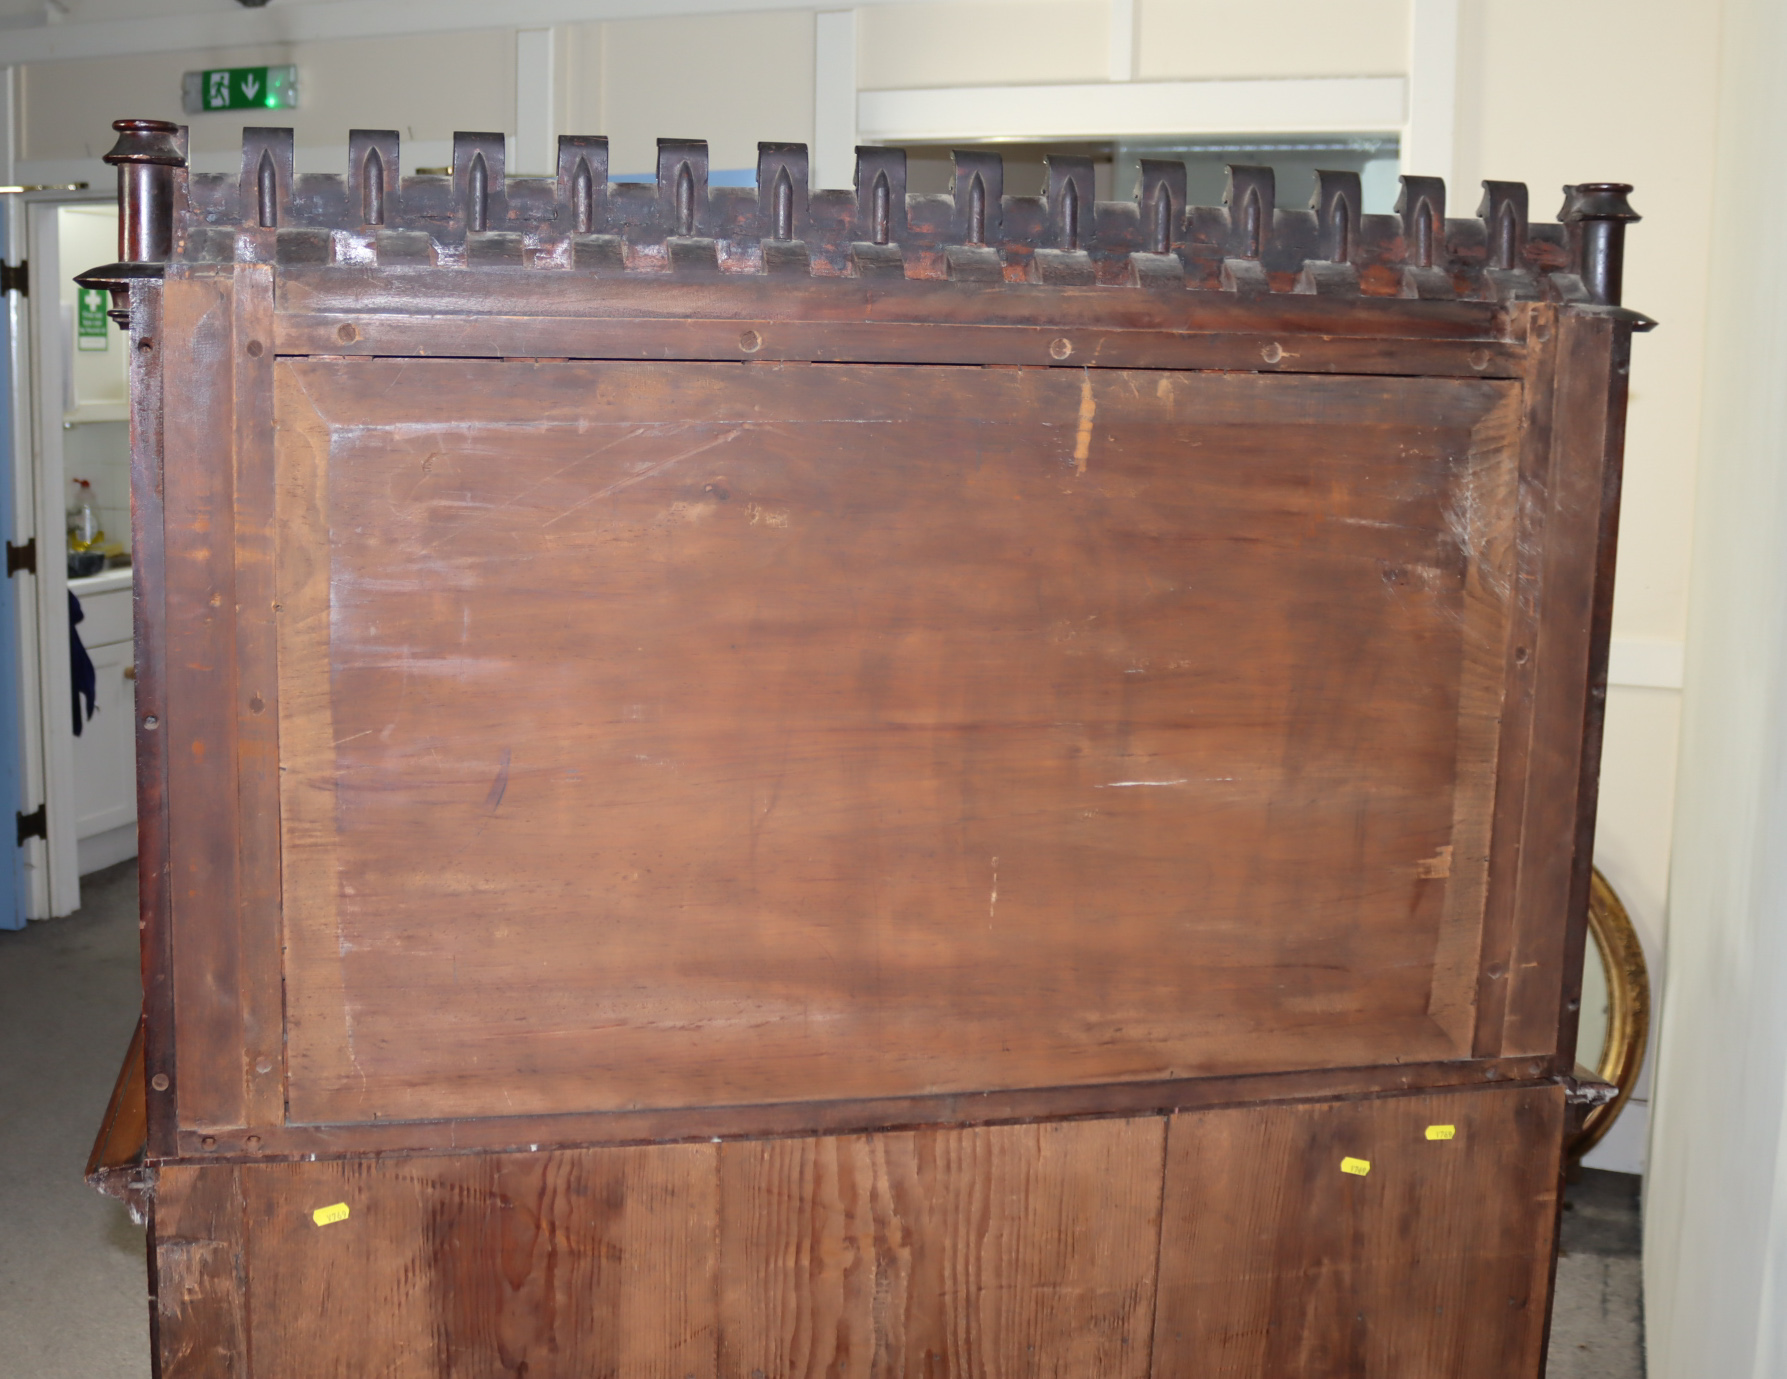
1599	213
146	154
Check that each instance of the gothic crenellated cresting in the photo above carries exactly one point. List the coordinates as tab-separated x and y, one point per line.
580	220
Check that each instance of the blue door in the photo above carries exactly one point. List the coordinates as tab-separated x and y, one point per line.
12	316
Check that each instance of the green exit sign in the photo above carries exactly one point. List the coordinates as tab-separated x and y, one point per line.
242	88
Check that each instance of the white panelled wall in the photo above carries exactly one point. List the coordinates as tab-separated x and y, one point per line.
1527	89
1716	1200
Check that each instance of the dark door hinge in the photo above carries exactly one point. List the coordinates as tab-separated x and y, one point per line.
15	277
21	557
36	824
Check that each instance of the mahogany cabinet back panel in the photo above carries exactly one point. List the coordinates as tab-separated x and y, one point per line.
686	734
818	783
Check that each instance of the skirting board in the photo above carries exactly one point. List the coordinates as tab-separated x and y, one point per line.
106	849
1640	663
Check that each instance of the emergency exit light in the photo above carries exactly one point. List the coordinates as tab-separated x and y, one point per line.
241	88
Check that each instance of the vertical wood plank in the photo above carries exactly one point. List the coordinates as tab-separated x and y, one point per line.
575	1264
1546	949
1538	400
1004	1251
304	709
1486	522
1607	368
200	1274
200	724
256	709
1275	1260
149	625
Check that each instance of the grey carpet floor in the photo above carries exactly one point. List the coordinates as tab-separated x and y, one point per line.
71	1263
72	1299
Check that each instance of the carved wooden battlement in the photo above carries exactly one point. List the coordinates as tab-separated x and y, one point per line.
581	220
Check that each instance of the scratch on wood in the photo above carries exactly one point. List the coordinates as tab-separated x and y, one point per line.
498	786
1082	445
646	473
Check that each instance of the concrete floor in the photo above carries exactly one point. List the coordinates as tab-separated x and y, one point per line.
71	1263
1597	1314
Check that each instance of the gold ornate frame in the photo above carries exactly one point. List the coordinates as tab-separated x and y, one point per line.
1628	1009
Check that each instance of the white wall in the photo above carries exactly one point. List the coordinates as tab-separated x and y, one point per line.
1716	1240
1271	38
1621	90
424	88
732	79
982	43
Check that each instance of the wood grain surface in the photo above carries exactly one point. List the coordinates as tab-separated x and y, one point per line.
1016	1250
591	1263
115	1161
198	1284
256	685
1275	1260
198	611
1013	728
712	825
150	638
1223	1242
1020	1250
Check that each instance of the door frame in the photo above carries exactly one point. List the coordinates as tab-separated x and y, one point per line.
15	414
52	865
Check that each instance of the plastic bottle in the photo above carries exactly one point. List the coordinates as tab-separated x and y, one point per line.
83	529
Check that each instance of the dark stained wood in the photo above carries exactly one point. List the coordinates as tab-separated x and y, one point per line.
896	343
309	296
149	628
1254	244
814	783
858	791
1583	498
199	694
1618	365
1502	903
199	1274
1436	1261
706	1123
257	699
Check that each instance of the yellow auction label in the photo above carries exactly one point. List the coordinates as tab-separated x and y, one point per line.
1360	1167
328	1216
1441	1132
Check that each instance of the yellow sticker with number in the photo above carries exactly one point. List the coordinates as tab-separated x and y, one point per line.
1441	1132
1358	1167
328	1216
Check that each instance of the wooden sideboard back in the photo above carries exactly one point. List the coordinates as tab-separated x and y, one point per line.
635	662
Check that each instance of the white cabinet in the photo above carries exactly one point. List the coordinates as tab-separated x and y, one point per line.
105	777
